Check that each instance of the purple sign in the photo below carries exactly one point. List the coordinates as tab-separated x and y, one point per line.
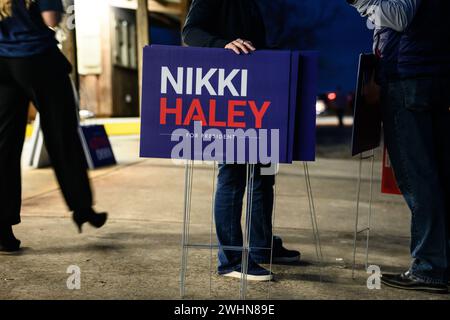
213	105
305	116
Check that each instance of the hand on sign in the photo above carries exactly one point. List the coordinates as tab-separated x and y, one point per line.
240	45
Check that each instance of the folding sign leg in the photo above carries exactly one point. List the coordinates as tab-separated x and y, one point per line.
358	206
211	231
358	202
247	232
315	226
369	215
189	172
275	198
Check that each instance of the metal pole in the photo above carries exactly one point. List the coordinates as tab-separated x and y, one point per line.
186	223
211	231
369	220
269	296
247	232
369	214
315	226
358	198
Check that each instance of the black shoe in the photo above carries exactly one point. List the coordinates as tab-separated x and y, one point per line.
281	255
8	242
406	281
284	255
96	220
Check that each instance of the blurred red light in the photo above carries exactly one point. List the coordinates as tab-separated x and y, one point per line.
332	96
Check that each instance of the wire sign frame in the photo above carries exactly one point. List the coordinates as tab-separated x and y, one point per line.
186	245
367	230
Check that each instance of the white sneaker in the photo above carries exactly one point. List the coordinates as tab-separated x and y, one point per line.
256	278
255	273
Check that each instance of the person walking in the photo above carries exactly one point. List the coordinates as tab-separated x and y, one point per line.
32	68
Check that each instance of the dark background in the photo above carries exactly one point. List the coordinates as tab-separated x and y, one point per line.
329	26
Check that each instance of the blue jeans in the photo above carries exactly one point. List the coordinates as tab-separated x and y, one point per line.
231	186
416	119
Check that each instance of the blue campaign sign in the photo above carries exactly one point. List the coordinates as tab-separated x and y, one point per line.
211	104
97	146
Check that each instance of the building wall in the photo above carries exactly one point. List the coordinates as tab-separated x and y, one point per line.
95	88
108	89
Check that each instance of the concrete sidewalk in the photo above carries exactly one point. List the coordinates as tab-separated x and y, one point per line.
137	255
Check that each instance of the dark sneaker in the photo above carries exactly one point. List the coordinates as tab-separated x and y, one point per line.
255	273
281	255
407	281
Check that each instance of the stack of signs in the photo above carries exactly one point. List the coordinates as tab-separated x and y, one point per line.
367	118
213	105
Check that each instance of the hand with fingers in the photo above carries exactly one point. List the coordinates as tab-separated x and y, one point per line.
241	46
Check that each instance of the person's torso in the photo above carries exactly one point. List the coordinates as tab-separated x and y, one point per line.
25	34
423	49
239	19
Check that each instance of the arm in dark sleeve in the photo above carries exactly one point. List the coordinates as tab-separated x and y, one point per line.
50	5
197	30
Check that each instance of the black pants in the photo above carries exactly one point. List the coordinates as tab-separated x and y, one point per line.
44	80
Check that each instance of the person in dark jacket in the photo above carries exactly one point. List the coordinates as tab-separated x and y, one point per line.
33	69
412	39
237	25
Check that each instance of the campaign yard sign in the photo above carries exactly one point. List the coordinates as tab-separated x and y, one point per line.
212	105
367	117
97	147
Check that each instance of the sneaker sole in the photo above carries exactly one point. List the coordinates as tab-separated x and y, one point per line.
10	253
238	275
287	260
423	289
280	260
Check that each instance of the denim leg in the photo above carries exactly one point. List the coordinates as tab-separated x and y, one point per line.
228	212
442	141
408	125
262	210
443	129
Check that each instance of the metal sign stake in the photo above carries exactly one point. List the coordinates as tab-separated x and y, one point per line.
368	229
189	172
313	214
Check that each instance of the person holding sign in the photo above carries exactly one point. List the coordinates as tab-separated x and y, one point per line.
237	25
412	42
33	69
